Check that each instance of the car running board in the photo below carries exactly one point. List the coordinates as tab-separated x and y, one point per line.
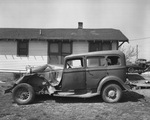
72	94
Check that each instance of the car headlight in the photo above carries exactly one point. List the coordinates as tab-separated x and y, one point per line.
28	69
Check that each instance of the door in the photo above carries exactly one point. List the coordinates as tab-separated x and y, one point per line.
57	51
95	71
74	75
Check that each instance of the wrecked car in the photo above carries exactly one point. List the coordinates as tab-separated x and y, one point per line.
85	75
140	66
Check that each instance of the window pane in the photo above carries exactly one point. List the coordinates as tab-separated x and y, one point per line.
96	61
23	45
113	60
106	46
22	48
94	46
92	62
77	63
54	48
23	52
66	48
102	61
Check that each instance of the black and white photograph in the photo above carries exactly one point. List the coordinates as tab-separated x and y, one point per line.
74	60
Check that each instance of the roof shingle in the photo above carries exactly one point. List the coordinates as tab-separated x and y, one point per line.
62	34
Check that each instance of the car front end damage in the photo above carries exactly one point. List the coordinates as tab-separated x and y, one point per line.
41	78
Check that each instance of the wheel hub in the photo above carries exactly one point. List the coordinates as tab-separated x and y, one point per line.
24	96
111	93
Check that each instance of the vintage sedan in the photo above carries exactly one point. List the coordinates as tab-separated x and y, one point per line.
83	75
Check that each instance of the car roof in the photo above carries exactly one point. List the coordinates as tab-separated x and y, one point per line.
108	52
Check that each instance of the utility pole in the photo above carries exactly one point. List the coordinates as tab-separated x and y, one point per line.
137	52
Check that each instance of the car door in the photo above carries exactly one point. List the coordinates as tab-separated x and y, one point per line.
96	70
74	75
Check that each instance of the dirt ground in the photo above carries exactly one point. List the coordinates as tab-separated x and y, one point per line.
134	105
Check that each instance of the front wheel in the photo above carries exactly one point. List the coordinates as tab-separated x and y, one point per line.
23	94
111	93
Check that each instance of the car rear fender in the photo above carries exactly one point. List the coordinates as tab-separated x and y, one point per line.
109	80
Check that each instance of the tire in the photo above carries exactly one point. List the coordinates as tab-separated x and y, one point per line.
111	93
130	70
23	94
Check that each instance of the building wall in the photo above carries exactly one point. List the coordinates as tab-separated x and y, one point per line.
80	47
10	60
114	45
38	51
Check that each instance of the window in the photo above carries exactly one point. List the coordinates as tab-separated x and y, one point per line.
92	62
58	50
22	48
96	61
66	48
99	46
94	46
113	60
75	63
54	48
106	46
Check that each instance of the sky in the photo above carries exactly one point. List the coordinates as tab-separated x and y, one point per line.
132	17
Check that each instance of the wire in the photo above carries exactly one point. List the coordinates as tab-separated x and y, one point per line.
140	38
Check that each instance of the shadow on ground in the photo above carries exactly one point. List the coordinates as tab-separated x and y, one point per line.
128	96
131	96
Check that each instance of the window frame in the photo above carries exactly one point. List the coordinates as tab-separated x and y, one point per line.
99	45
117	62
19	42
60	51
73	59
99	61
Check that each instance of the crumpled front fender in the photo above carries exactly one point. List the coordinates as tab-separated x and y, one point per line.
22	79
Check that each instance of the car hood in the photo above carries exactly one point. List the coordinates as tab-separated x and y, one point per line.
44	68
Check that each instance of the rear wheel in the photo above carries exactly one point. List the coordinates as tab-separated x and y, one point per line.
23	94
111	93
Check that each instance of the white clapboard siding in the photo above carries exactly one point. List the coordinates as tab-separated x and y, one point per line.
9	59
114	45
80	47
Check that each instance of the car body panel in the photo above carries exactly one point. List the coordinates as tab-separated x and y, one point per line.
111	79
73	79
93	77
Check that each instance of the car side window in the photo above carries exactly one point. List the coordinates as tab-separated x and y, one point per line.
74	63
113	60
95	61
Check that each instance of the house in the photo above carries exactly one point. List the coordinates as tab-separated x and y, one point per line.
20	47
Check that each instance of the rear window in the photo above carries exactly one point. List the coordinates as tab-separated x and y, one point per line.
113	60
95	61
